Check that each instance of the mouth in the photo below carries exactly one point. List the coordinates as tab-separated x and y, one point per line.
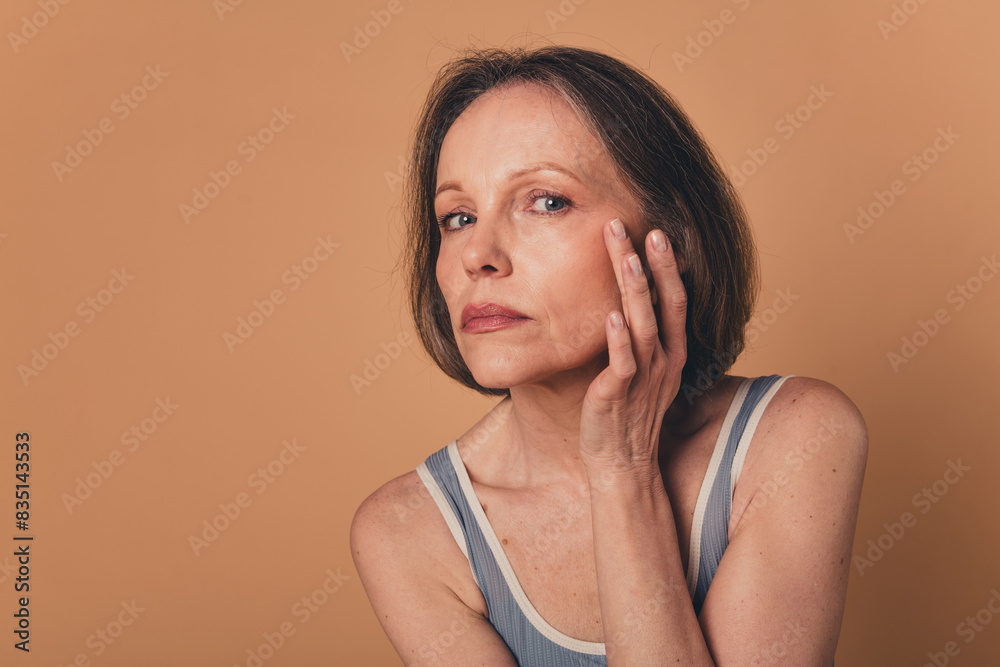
490	317
494	323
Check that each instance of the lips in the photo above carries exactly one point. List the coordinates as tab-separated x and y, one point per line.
493	313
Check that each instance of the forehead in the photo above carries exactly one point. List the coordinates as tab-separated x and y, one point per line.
506	128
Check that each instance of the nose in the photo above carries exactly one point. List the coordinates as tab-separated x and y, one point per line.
487	247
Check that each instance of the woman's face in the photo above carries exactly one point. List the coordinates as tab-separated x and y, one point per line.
529	236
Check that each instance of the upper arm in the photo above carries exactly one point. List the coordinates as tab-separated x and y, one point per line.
781	586
399	562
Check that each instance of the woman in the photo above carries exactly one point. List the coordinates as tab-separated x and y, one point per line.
575	248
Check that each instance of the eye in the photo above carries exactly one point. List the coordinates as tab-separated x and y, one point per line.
548	200
551	204
443	220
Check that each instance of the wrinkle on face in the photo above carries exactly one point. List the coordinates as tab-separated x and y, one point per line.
560	263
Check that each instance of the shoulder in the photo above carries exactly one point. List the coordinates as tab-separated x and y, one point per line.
391	514
399	534
419	583
811	438
789	555
387	496
806	408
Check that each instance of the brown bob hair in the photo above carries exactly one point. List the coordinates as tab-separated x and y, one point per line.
669	168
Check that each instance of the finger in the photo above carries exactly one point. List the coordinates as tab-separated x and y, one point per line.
615	379
672	295
642	320
619	249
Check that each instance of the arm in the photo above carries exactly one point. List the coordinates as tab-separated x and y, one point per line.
645	606
400	565
781	585
787	560
646	610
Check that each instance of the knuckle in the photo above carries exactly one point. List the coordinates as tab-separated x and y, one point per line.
641	284
627	370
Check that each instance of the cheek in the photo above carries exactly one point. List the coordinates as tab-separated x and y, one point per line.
447	281
587	284
578	324
595	277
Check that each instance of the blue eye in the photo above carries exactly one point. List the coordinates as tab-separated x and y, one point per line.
548	199
443	219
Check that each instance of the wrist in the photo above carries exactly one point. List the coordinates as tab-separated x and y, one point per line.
621	476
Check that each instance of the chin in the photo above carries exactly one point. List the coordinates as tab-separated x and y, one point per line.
494	376
512	370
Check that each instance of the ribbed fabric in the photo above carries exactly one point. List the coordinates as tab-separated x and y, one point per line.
530	638
715	500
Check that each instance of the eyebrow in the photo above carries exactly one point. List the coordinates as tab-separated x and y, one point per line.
516	173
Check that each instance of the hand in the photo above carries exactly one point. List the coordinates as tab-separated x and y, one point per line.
624	405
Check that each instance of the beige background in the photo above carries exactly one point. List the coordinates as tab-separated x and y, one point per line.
331	173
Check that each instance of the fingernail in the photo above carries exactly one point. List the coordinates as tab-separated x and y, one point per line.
616	321
618	229
636	265
659	241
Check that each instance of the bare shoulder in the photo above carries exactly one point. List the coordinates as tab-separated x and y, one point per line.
417	579
805	408
392	508
811	430
784	573
399	526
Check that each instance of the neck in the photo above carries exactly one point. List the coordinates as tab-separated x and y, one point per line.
538	431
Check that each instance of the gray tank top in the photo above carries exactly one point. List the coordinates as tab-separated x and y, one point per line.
530	638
